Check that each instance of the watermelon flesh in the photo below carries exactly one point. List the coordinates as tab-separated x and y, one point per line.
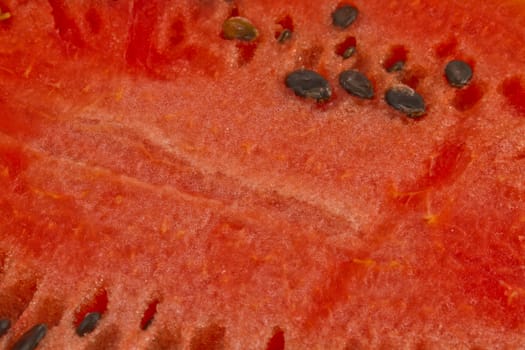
154	172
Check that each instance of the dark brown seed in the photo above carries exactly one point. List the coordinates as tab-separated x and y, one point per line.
239	28
88	324
396	67
458	73
30	339
309	84
406	100
5	324
343	16
356	83
285	35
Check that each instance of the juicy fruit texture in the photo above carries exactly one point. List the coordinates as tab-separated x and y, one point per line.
164	177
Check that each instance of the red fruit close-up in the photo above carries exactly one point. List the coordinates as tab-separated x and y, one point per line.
210	174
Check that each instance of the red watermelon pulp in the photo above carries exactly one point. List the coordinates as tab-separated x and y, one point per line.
160	173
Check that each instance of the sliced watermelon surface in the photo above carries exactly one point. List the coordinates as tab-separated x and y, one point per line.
160	174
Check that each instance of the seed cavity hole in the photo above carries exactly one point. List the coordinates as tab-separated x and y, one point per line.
93	20
3	257
446	48
467	97
149	315
5	17
88	324
513	89
177	31
346	48
235	11
88	315
396	59
244	32
67	28
276	342
285	29
246	52
413	76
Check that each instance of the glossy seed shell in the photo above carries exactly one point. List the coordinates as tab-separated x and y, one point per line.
344	16
31	338
356	83
406	100
458	73
88	324
5	324
239	28
309	84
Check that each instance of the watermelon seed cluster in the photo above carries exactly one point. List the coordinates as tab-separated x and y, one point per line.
31	338
310	84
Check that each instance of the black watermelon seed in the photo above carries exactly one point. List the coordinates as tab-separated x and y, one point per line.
88	324
31	338
458	73
309	84
396	67
239	28
356	83
343	16
406	100
285	35
5	324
